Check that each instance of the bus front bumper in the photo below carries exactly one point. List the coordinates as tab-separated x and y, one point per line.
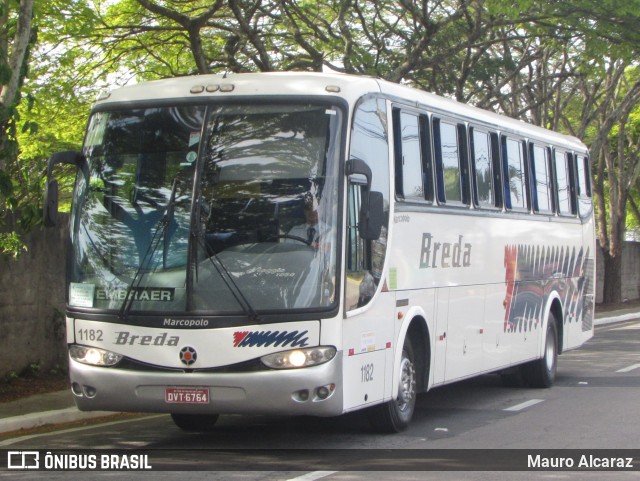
280	392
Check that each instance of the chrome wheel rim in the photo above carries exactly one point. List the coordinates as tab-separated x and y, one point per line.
550	353
407	388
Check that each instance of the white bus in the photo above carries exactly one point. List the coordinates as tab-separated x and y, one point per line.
315	244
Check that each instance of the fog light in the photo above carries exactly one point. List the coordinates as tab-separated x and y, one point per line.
77	390
89	391
323	392
301	396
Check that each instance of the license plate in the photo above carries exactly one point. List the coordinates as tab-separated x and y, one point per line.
186	395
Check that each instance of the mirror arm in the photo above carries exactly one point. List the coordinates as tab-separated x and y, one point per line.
68	157
358	166
50	201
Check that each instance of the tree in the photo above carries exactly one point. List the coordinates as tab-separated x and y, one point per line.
616	154
15	40
558	65
46	90
600	112
14	45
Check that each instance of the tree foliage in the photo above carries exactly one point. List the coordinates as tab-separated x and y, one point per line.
568	66
46	111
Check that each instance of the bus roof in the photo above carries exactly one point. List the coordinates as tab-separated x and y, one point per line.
307	84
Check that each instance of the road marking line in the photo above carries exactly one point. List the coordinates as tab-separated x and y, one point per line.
629	368
312	476
524	405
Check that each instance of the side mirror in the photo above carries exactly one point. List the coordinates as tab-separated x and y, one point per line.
50	202
371	216
50	208
372	205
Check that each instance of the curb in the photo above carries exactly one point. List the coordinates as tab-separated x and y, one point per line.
58	416
620	318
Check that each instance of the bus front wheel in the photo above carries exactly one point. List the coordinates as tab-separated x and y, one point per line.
195	422
395	415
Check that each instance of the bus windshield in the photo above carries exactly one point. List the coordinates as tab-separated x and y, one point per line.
218	209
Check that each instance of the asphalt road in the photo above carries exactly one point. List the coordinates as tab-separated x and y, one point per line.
595	404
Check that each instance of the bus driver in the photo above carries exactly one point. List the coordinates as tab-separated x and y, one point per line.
312	229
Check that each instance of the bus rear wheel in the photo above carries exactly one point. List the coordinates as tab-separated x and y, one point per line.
542	372
394	416
195	422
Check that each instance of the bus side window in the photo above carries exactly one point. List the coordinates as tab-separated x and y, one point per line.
484	191
563	183
450	163
541	179
584	185
410	177
515	180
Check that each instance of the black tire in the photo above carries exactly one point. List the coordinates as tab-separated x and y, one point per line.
541	373
201	423
395	416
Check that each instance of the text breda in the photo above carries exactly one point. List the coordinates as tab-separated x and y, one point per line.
444	254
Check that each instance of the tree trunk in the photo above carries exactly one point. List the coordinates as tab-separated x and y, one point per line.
14	53
612	292
20	43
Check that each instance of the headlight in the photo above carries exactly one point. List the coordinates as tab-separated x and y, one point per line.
94	356
311	356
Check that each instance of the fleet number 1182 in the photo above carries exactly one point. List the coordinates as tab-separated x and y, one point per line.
366	373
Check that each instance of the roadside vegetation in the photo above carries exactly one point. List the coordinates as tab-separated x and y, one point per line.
569	66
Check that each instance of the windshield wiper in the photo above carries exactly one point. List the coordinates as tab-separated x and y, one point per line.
229	281
166	221
197	238
162	229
